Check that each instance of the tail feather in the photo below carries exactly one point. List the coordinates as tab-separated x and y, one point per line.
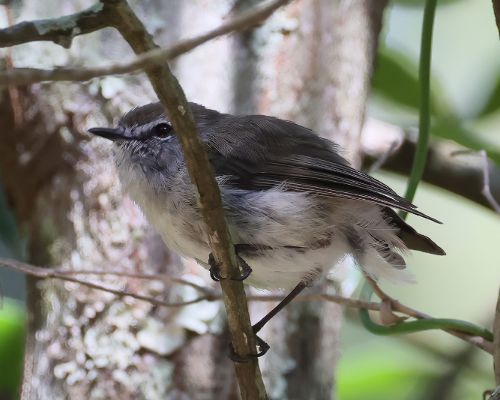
411	238
378	267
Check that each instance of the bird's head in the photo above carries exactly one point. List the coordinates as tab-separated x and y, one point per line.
145	140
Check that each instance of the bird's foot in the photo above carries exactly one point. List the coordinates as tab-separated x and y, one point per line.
215	269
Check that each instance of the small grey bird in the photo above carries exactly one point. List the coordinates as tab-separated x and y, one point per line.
294	206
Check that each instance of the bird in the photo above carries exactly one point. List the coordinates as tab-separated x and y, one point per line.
294	206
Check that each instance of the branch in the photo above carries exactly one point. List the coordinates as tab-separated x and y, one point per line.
496	10
496	342
464	179
486	191
60	30
151	277
153	57
49	273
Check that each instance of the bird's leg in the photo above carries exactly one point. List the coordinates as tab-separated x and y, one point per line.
215	269
262	346
281	305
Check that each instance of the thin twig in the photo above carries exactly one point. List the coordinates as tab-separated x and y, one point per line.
147	60
486	189
50	273
152	277
379	162
478	341
207	293
210	295
496	342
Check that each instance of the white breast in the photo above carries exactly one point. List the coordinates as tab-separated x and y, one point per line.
178	223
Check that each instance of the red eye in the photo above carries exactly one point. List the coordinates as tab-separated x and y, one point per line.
162	130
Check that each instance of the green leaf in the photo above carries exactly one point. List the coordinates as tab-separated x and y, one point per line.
493	103
396	79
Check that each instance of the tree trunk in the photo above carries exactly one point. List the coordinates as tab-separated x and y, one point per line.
315	64
310	62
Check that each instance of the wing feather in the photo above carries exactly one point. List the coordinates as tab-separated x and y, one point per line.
261	152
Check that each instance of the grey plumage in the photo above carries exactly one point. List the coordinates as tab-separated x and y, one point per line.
294	206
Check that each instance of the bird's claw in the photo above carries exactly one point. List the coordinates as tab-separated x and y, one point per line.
215	269
262	348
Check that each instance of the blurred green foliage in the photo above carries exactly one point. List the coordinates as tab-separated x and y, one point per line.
371	378
382	368
12	314
493	104
12	330
465	93
396	79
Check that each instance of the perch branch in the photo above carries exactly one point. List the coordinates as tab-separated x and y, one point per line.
207	294
174	100
148	59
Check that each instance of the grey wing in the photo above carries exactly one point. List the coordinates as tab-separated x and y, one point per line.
260	152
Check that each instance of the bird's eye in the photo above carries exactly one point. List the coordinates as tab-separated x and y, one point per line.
162	130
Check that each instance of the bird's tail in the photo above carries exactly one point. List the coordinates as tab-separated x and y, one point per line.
410	237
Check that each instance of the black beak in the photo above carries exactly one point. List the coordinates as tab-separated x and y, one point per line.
109	133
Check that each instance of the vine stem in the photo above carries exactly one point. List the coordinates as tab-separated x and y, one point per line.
424	77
